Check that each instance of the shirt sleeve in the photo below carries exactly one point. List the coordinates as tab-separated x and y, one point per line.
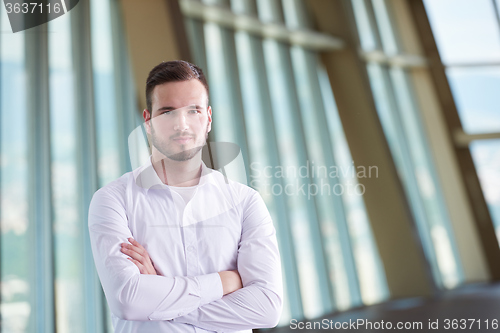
259	303
131	295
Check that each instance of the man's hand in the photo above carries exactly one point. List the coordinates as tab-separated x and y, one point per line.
231	281
139	256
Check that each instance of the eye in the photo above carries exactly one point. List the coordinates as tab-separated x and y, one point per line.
194	111
166	112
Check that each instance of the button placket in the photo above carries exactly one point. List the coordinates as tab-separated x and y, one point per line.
191	244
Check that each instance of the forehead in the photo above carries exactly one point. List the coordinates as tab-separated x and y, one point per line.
179	94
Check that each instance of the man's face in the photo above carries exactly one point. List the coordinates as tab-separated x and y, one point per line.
180	119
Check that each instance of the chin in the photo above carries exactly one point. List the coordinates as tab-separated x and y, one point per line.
184	155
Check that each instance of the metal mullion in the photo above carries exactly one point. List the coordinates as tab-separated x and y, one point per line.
225	18
497	12
87	158
463	139
41	220
340	220
1	169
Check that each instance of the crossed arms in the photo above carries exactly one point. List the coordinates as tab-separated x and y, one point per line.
215	301
231	280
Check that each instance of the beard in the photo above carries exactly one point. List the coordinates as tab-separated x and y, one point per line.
184	154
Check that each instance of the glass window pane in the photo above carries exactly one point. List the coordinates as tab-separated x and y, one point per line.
365	25
17	292
292	156
427	182
327	200
476	92
225	95
465	31
67	224
486	156
371	275
385	26
262	148
109	167
408	147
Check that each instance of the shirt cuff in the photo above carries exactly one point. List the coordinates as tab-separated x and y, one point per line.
210	287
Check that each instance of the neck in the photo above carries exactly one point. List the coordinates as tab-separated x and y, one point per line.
177	173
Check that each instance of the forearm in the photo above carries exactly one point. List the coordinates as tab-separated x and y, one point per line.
135	296
151	297
247	308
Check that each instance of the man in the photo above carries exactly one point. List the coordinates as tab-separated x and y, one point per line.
177	247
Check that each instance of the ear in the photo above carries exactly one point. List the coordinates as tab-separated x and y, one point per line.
209	114
147	117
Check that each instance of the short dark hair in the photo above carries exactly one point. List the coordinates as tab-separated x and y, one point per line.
172	71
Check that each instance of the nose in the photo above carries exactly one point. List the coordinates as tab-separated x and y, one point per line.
180	122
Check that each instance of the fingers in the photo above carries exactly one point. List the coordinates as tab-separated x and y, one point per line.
133	254
139	256
141	267
135	243
135	250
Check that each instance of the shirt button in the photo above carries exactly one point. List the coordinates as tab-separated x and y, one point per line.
190	249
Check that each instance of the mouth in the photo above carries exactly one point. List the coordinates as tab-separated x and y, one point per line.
182	139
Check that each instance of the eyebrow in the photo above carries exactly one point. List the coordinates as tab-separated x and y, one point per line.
170	108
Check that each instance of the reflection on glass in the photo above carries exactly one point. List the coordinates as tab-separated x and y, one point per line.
67	228
486	156
465	31
16	308
476	92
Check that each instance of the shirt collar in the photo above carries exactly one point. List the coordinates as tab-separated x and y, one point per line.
146	177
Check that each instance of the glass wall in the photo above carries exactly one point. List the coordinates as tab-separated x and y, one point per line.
468	38
84	113
272	97
16	269
401	121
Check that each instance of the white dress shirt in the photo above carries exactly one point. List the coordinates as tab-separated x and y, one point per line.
224	226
